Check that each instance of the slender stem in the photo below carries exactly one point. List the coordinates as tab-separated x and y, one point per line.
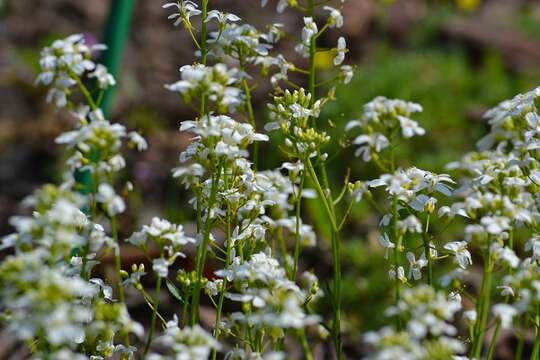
249	108
507	298
521	340
118	268
483	305
202	250
494	340
427	252
154	316
297	229
185	310
397	249
150	303
305	345
203	44
536	347
283	250
312	52
322	195
229	242
336	255
83	89
204	51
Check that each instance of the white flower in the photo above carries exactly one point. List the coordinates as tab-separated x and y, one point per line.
186	9
533	245
63	62
400	274
105	289
346	74
112	202
214	287
506	254
462	256
340	51
415	266
164	230
385	242
455	209
410	224
103	77
309	30
495	224
161	267
188	343
221	17
506	290
336	19
470	315
372	142
358	189
139	142
282	5
505	313
409	127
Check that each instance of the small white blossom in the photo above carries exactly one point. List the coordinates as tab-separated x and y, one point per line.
161	267
462	256
113	203
103	77
336	19
505	313
340	51
385	242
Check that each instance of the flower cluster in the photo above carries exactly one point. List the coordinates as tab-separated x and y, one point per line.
216	83
429	333
274	301
64	62
291	114
188	343
382	121
169	238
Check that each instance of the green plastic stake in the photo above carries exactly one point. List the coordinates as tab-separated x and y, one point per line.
116	34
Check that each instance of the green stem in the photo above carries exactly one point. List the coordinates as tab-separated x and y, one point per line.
336	333
536	347
397	249
249	108
222	293
427	251
118	268
483	306
84	90
312	52
305	345
336	259
154	316
297	229
204	51
322	195
284	252
494	340
521	340
203	44
202	250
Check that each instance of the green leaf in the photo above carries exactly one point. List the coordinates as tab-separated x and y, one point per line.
174	291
